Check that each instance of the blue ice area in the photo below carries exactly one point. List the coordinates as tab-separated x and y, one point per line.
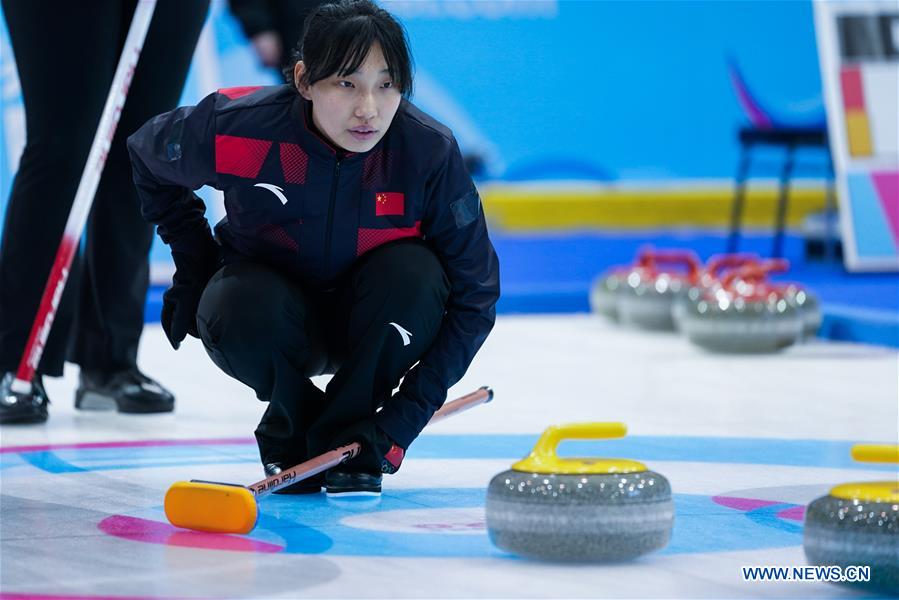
314	526
449	522
553	273
730	450
376	527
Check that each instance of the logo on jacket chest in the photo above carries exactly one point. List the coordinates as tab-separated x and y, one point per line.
390	204
278	192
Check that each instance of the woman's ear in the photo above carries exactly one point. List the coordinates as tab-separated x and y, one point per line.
298	71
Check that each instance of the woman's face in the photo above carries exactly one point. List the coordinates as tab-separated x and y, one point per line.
354	111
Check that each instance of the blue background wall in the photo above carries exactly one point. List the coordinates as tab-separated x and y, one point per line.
639	88
573	89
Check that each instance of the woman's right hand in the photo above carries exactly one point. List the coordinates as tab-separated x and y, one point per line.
179	303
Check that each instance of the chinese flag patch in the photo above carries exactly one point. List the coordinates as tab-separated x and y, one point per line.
389	203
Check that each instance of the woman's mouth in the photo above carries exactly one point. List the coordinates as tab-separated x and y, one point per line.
363	134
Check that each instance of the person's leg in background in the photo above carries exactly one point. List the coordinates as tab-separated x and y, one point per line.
65	57
110	314
260	328
401	283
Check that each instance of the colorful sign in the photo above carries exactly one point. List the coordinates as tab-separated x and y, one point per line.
858	46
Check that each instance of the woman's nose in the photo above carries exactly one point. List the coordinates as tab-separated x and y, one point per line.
366	109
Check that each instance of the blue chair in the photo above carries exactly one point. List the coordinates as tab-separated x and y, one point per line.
802	125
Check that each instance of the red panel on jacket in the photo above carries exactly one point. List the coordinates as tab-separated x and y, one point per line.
238	92
294	163
372	238
239	155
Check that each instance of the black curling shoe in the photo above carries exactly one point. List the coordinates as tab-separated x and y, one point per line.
312	485
128	391
22	409
352	483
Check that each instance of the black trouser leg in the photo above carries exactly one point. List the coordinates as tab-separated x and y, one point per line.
389	311
269	333
110	314
260	329
65	76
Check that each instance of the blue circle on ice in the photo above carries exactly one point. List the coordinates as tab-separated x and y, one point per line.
450	523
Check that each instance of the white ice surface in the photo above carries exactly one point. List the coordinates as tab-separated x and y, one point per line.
545	370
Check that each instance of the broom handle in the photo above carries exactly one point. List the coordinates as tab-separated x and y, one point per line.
332	458
482	395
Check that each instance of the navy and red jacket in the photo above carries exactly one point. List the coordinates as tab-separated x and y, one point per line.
294	202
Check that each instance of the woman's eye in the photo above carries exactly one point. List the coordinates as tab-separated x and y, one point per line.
345	84
388	84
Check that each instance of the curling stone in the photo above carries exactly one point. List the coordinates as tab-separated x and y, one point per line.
720	263
652	286
747	314
808	306
857	524
579	509
604	292
709	280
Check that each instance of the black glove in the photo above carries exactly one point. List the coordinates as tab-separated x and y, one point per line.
379	452
196	260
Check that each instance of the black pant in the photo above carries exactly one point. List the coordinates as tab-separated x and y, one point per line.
66	54
270	333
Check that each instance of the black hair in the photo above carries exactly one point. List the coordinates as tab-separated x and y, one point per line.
337	38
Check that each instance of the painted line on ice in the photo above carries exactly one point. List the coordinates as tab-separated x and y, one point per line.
444	523
760	451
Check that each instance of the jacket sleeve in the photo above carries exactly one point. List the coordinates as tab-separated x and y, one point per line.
455	228
173	154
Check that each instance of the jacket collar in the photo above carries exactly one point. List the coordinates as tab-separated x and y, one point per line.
314	142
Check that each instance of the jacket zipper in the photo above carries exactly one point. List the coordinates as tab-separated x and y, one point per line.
330	223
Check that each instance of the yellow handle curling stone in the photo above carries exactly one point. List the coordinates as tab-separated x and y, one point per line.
857	524
579	509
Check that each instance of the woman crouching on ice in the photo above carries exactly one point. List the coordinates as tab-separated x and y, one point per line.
354	244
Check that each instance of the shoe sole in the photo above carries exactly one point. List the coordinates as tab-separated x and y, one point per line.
24	420
353	493
98	402
307	491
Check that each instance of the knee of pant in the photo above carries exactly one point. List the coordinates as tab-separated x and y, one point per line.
50	156
237	328
240	313
407	271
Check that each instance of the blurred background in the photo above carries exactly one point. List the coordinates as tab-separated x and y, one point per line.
595	128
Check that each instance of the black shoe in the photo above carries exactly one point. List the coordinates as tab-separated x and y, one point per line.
22	409
311	485
129	391
352	483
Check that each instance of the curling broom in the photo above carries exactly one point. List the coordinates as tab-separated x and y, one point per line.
232	508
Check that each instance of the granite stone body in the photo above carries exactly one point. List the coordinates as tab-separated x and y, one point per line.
583	518
604	295
741	325
846	533
682	304
809	309
646	301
